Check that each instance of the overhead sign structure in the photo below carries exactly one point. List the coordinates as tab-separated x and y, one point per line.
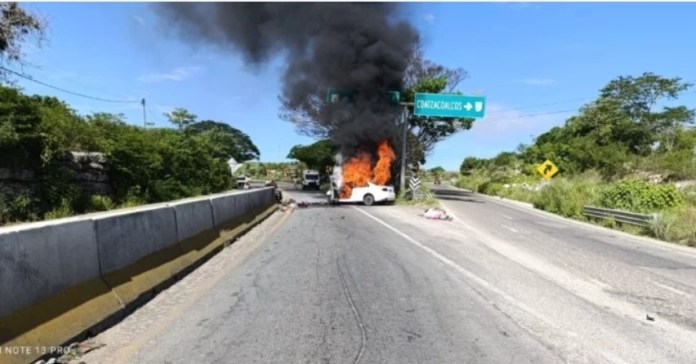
547	169
449	105
334	95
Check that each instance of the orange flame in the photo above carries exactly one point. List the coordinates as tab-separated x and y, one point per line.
357	171
382	171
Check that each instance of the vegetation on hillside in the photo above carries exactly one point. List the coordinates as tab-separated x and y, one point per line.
145	165
621	151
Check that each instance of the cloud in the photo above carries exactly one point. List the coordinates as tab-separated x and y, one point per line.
538	81
139	20
429	17
178	74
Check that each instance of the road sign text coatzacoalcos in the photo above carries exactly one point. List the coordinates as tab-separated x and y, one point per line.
449	105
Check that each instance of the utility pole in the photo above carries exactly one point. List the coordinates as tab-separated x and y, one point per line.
404	122
144	114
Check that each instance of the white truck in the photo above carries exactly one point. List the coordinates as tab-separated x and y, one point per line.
310	179
368	195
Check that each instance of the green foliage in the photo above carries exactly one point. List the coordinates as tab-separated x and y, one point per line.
63	210
676	225
469	164
15	25
316	156
620	129
567	197
24	207
689	194
437	170
639	196
181	117
144	165
518	194
100	203
404	197
227	142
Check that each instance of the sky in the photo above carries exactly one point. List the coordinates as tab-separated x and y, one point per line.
536	64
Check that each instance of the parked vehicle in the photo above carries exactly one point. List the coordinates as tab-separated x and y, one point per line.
310	179
243	182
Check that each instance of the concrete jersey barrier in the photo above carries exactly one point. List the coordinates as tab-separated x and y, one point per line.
61	278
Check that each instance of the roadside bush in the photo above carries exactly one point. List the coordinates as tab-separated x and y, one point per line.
518	194
63	210
491	188
567	198
100	203
689	194
471	182
639	196
676	225
24	207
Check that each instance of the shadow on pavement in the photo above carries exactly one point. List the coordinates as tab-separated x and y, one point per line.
455	195
456	198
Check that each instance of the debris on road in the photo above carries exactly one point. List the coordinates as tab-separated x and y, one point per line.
649	318
435	213
305	204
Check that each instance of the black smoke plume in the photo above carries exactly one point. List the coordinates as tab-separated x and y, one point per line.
359	48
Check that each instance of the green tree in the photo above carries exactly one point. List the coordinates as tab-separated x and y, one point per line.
469	164
15	25
181	117
437	170
637	98
227	141
317	155
612	133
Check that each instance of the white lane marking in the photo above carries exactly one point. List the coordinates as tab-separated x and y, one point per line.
461	270
506	216
671	289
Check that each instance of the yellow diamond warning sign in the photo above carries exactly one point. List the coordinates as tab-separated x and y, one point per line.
547	169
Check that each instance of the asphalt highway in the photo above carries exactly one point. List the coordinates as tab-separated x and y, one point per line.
500	283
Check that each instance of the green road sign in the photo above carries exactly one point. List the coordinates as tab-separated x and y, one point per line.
449	105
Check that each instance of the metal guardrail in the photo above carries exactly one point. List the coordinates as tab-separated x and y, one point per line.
623	217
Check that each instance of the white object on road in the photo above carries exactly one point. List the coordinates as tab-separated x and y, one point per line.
436	214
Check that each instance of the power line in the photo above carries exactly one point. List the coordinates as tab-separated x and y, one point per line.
28	77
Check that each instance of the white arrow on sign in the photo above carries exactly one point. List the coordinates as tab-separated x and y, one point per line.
468	106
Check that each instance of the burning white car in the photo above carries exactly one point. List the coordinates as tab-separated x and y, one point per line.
368	195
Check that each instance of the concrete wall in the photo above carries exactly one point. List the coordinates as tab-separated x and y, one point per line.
125	238
61	277
192	218
38	261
